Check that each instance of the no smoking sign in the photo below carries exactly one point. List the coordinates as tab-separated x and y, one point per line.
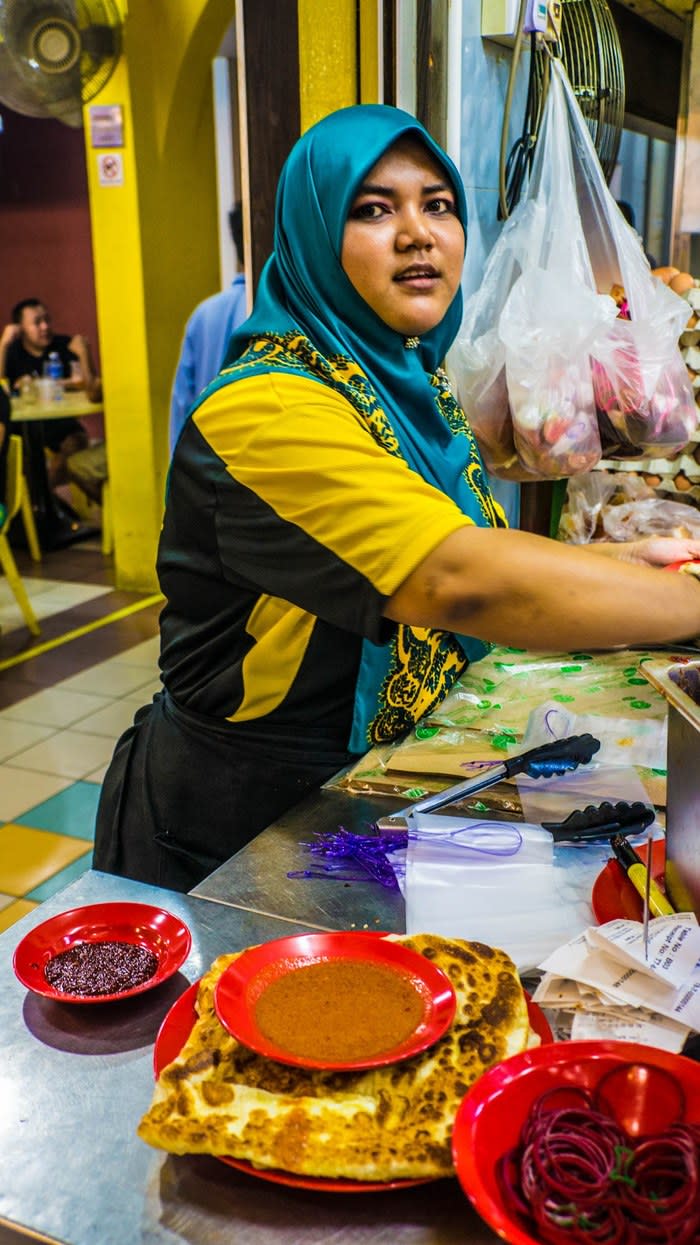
110	168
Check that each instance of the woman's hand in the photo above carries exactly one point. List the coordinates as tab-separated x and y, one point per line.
655	550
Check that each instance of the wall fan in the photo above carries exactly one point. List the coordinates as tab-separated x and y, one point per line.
592	57
590	51
55	55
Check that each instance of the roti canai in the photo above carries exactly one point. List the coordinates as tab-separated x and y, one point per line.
394	1122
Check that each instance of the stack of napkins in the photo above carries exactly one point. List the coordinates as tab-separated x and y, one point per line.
614	990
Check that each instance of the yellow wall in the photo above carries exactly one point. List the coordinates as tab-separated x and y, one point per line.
155	248
326	58
155	241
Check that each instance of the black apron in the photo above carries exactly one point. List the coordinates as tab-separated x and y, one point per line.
183	793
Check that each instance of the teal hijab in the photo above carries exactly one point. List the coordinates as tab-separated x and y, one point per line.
303	289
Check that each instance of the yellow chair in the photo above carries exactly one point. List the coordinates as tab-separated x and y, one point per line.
25	505
15	491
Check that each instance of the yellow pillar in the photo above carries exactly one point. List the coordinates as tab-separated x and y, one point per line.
327	59
155	249
155	242
368	51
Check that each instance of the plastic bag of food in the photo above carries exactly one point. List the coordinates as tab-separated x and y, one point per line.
522	369
652	517
642	390
548	330
590	496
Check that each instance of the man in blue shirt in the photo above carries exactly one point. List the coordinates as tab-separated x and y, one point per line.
206	337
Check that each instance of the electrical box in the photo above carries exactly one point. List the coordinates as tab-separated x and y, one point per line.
499	19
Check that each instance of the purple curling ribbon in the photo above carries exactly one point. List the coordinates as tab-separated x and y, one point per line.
347	857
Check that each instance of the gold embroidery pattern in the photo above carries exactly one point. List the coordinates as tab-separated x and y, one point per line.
473	472
295	353
423	667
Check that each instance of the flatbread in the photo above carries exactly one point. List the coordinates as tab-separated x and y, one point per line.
218	1097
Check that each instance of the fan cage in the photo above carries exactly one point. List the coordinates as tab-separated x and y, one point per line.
592	57
96	26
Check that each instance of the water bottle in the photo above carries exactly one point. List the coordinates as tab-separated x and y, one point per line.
54	370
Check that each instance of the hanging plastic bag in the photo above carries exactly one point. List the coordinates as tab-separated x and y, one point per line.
643	393
548	330
533	419
521	361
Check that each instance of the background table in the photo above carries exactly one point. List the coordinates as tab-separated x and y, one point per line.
56	525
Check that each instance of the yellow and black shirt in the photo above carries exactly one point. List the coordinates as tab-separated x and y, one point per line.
290	522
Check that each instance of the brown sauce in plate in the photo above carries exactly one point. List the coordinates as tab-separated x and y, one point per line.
339	1010
95	968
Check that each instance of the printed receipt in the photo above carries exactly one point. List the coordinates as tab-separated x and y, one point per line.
608	960
673	950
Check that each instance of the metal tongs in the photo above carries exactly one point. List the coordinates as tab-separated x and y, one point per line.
557	757
599	822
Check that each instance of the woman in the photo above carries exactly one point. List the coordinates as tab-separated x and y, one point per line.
331	556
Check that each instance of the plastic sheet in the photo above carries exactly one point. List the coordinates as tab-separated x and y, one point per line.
486	715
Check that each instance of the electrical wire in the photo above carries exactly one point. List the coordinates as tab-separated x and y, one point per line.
513	171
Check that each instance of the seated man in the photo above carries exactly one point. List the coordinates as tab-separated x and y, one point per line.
25	345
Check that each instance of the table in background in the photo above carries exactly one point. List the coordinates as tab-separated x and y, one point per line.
56	524
75	1080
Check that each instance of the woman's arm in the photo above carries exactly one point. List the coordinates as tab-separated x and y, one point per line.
511	587
92	384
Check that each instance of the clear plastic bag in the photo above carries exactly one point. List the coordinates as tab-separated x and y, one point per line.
642	389
548	330
651	517
542	362
588	498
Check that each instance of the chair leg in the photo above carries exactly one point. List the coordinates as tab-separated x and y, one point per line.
107	522
14	579
28	520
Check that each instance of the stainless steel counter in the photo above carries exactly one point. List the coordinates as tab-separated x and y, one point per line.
256	877
75	1080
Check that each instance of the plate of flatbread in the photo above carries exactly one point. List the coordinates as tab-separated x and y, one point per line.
345	1131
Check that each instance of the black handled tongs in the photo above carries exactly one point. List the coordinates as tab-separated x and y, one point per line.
557	757
599	822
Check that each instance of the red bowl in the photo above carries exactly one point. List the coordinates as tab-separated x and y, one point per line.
491	1116
165	935
678	566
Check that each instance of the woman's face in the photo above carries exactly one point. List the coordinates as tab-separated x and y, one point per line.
403	245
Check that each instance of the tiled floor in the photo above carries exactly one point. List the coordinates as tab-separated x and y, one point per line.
61	712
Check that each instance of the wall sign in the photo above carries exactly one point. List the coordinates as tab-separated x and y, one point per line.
110	168
106	125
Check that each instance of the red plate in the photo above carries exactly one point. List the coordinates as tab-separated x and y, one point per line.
491	1116
538	1021
159	931
246	980
678	566
614	897
173	1034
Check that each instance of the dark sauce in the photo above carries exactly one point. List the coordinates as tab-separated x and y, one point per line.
100	968
688	679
